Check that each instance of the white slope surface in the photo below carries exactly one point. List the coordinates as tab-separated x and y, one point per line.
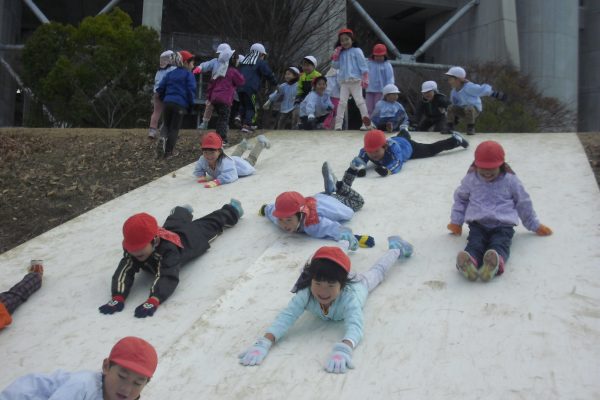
532	333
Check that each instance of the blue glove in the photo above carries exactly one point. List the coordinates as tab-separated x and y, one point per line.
340	359
115	305
147	309
256	353
350	238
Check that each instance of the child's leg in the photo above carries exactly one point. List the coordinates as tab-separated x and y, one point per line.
376	274
261	143
222	126
20	292
181	214
345	194
173	127
371	100
328	123
500	241
240	148
356	91
158	109
341	108
213	224
425	150
477	241
470	114
208	110
452	116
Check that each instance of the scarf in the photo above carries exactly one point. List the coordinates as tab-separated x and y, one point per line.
170	236
223	61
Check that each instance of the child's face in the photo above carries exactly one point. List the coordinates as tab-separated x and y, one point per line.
189	65
289	76
211	155
428	95
345	41
455	83
307	67
377	154
379	58
144	253
121	383
320	87
391	97
325	292
289	224
488	174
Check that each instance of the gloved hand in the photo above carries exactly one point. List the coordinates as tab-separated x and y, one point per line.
498	95
455	229
115	305
349	237
267	105
203	179
383	171
340	359
197	71
336	53
364	83
311	117
262	210
297	100
148	308
543	230
256	353
365	241
212	184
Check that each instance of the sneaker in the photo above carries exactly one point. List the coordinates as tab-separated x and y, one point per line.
36	268
237	205
329	178
367	122
396	242
174	153
470	129
358	164
491	263
467	265
364	128
262	139
338	129
246	129
203	125
152	132
404	133
237	121
161	147
461	141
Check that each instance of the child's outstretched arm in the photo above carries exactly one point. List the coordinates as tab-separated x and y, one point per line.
227	174
340	358
478	90
524	207
200	168
122	281
461	201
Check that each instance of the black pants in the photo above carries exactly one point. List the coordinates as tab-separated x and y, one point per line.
311	125
437	123
222	125
173	118
425	150
246	109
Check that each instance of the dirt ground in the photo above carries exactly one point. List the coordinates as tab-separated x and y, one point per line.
49	176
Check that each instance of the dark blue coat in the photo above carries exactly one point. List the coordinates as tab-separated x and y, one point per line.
254	74
179	87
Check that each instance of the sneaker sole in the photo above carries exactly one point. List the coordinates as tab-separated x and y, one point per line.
490	266
466	267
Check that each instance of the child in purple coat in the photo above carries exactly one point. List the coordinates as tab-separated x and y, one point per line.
491	199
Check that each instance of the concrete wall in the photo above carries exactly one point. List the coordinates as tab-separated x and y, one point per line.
589	67
10	21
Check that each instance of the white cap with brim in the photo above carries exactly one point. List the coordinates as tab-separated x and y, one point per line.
222	47
294	70
312	60
390	89
259	48
166	54
457	72
428	86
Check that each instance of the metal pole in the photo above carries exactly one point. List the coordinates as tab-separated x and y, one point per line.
386	40
11	46
38	13
400	63
433	38
109	6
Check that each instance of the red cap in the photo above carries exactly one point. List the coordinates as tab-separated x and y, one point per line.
288	204
185	55
489	154
346	31
212	140
374	139
138	231
334	254
136	355
379	50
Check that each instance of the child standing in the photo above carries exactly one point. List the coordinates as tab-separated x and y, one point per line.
287	93
225	79
466	99
177	90
320	215
315	107
353	76
388	114
215	168
491	199
255	69
388	155
431	110
209	66
163	251
19	293
381	74
165	66
125	372
328	290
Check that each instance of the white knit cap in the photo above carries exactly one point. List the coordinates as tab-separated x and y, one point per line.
457	72
428	86
389	89
312	59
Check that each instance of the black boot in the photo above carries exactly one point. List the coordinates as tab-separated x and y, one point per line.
470	129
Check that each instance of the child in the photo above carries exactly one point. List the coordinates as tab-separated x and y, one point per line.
466	99
388	114
309	73
222	169
19	293
220	91
287	92
162	252
491	199
326	289
381	74
209	66
177	91
333	90
315	107
127	370
431	110
165	66
388	155
353	76
255	69
320	215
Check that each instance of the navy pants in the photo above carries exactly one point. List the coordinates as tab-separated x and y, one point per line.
481	239
19	293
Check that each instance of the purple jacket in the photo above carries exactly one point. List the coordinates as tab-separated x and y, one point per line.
500	202
222	89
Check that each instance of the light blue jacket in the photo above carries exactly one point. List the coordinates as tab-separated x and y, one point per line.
381	73
316	105
331	212
347	307
161	74
208	66
60	385
351	65
397	153
228	169
391	112
288	93
470	95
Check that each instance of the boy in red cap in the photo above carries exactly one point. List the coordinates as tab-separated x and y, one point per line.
163	251
128	368
326	289
19	293
388	155
491	199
